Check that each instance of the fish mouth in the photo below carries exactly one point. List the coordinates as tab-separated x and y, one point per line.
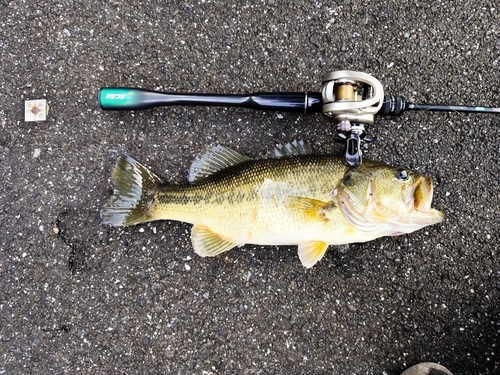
420	199
422	194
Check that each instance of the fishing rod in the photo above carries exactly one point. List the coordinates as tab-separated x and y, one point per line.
350	99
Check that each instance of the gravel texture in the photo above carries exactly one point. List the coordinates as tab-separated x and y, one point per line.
80	298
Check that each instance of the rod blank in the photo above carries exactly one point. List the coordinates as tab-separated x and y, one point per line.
451	108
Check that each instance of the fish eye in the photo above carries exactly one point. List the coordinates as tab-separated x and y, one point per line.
402	174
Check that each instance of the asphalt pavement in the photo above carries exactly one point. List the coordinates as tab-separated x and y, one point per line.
77	297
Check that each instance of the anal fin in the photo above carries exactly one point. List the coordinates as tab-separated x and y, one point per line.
206	243
311	252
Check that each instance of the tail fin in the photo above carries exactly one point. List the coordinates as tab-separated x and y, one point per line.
134	188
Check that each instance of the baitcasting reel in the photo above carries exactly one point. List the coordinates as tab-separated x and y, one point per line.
351	99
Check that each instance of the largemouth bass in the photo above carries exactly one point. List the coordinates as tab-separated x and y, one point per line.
297	198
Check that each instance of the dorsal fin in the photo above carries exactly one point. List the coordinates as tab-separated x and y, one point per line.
212	160
290	149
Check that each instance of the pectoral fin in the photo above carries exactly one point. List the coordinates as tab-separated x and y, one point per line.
312	209
311	252
207	243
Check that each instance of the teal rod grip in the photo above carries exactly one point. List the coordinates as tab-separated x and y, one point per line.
127	98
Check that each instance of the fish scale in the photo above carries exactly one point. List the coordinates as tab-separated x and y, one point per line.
242	196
